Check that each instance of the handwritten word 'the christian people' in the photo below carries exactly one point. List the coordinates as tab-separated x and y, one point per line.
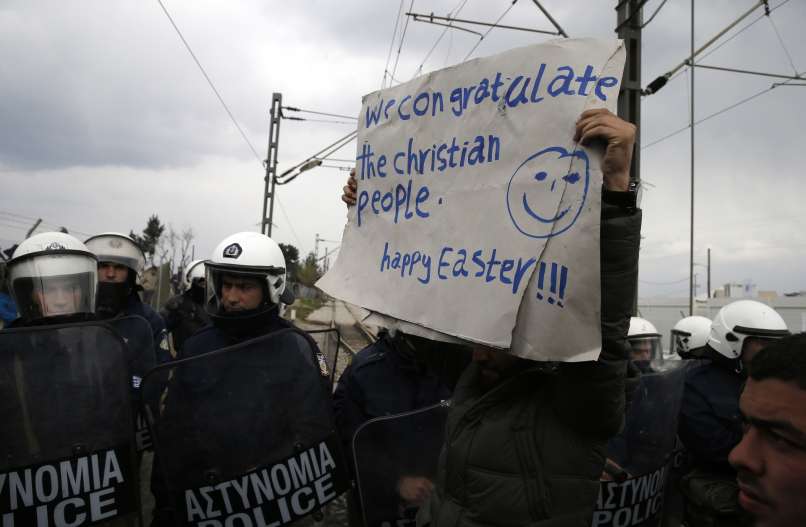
404	201
513	91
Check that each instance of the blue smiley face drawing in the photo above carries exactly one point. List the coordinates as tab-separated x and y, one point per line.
547	192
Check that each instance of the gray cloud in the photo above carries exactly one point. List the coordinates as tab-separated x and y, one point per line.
106	119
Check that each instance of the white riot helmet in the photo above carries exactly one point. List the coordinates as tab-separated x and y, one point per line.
117	248
52	274
689	335
644	339
194	271
737	321
247	255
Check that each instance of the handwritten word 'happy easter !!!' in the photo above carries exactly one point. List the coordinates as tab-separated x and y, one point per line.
500	90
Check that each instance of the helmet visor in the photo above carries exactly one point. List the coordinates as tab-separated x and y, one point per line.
645	348
50	296
680	343
53	285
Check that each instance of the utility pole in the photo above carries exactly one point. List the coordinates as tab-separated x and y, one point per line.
709	272
691	136
629	20
271	164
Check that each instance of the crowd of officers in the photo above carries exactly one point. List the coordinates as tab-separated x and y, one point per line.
524	442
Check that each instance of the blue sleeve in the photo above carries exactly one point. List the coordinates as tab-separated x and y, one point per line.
161	348
348	408
709	424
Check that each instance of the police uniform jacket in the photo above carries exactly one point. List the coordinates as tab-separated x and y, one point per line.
135	306
710	423
183	318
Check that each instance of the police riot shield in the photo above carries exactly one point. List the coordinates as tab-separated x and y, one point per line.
244	435
329	343
136	333
66	444
395	461
639	459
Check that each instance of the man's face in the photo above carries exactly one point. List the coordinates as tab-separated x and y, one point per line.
770	460
239	294
495	364
58	297
641	350
113	273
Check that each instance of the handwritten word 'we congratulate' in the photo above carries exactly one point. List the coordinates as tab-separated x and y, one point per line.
513	91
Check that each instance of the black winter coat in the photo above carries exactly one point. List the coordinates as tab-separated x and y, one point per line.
530	450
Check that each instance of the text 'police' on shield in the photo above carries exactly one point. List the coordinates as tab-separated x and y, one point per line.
73	491
272	495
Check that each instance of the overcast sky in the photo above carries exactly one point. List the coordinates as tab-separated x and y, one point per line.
105	119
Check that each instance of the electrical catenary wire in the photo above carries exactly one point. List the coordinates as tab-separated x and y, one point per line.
715	114
402	39
224	105
210	82
456	10
392	45
491	28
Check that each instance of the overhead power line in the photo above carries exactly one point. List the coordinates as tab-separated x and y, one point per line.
392	44
717	113
507	10
654	14
456	10
545	12
210	82
402	39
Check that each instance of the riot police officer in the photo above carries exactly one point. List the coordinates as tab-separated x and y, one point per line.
644	340
184	314
388	377
689	336
120	262
251	388
63	388
710	422
52	279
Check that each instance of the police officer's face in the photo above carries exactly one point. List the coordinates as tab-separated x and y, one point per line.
641	350
238	293
58	297
114	273
770	460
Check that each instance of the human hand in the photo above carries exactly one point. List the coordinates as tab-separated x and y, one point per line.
350	190
619	136
414	490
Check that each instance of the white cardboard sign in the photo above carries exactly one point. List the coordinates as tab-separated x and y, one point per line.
477	214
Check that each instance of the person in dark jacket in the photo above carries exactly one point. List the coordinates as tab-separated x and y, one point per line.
525	442
231	412
710	423
120	262
66	383
184	314
388	377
